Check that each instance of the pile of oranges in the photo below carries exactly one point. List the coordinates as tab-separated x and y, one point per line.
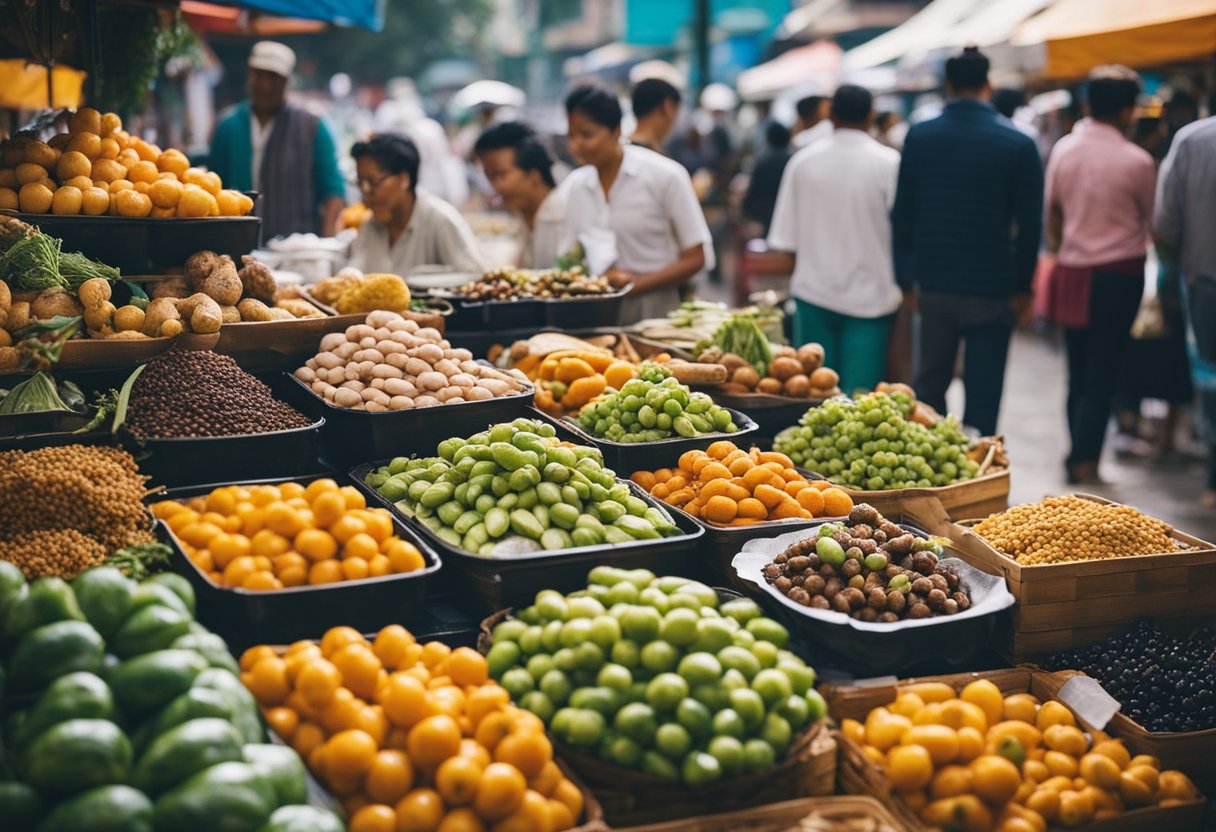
412	737
267	537
98	168
729	486
977	760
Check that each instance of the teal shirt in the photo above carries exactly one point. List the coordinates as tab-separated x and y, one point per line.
232	155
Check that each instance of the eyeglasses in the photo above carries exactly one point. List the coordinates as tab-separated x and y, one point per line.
365	184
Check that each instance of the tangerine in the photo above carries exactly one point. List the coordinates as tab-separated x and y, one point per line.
390	778
419	811
433	740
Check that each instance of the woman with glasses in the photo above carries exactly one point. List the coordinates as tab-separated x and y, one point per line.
408	227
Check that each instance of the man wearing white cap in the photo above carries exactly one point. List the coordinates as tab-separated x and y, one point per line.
286	153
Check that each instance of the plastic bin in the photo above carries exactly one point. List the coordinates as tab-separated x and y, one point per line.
142	245
198	460
244	617
585	312
354	436
627	457
509	582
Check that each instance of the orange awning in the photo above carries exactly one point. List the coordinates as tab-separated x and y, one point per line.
209	18
1078	35
23	86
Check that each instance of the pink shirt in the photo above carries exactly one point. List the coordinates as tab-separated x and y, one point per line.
1104	186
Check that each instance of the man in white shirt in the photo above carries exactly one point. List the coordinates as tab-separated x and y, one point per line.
833	219
520	170
814	120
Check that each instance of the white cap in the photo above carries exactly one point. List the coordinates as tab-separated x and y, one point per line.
273	57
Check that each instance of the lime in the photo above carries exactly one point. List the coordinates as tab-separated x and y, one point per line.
728	723
728	751
641	624
680	627
627	653
576	631
818	707
700	669
637	721
702	593
695	717
743	638
606	576
742	610
566	660
766	629
614	676
556	685
700	770
772	685
517	681
531	640
641	578
623	593
657	765
589	657
733	680
802	678
654	597
749	705
683	600
776	732
584	607
539	704
560	724
713	634
714	697
539	665
765	652
665	691
795	710
601	700
503	655
605	630
659	656
509	630
551	605
586	728
672	740
622	750
670	583
741	659
551	636
757	756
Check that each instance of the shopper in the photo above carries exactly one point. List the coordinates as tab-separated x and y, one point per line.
967	224
409	227
656	106
1185	206
814	120
520	170
284	152
833	216
633	211
1099	198
765	180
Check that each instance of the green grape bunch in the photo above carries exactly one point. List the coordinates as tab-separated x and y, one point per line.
652	408
869	444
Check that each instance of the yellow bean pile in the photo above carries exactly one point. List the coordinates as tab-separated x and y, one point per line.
67	508
1070	529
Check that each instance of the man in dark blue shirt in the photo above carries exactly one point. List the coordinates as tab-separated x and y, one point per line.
967	225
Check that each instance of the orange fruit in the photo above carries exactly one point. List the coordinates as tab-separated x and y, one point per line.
307	738
86	143
420	811
995	779
108	170
195	202
391	645
67	200
359	668
373	818
528	752
8	199
238	569
317	681
173	161
390	778
433	740
569	795
316	545
73	163
462	819
457	779
328	508
39	153
86	119
909	767
336	638
347	527
128	155
434	652
341	713
283	721
268	544
268	681
229	203
485	700
35	198
109	123
96	202
349	753
353	496
1065	738
500	791
254	655
404	556
1054	713
1019	706
109	149
836	503
142	171
533	815
467	667
987	697
493	729
361	546
326	572
941	742
165	193
131	203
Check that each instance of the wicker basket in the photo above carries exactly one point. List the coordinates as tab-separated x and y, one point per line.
857	775
859	813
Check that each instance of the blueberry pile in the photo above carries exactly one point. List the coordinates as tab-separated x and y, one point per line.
1164	682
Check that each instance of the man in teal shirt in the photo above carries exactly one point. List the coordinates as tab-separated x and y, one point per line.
285	153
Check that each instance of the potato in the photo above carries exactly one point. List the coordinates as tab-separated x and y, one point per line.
52	302
100	317
824	378
10	359
223	284
784	367
231	314
345	397
171	328
94	292
6	297
811	357
18	316
129	319
330	342
732	362
299	308
745	375
199	267
798	386
769	385
174	287
251	309
203	313
126	335
159	312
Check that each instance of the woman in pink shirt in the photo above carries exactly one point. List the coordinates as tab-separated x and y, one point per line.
1099	199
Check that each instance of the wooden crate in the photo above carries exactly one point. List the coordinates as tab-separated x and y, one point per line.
979	497
857	775
1066	605
778	817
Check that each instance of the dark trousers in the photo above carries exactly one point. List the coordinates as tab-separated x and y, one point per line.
983	326
1095	358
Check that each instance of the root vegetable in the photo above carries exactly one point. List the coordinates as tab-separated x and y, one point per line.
6	296
745	375
332	341
126	335
231	314
203	313
171	328
432	380
345	397
824	378
770	386
798	386
93	292
199	267
223	284
400	387
387	371
430	353
251	309
400	403
18	316
784	367
811	357
158	313
375	407
257	281
426	401
416	366
175	287
100	317
477	394
57	301
129	319
306	374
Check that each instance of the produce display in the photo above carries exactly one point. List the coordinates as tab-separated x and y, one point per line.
515	488
743	338
353	293
411	736
652	408
568	379
975	759
33	261
122	713
98	168
196	393
246	294
67	508
267	537
728	486
519	284
869	444
692	325
40	394
796	373
391	363
1164	682
1071	529
870	569
657	674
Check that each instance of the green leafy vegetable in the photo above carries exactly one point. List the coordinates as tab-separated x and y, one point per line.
37	394
32	264
141	560
76	269
743	336
42	341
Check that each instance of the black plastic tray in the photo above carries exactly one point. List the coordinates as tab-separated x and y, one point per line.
353	436
198	460
244	618
508	582
142	245
900	651
625	458
21	425
525	313
588	312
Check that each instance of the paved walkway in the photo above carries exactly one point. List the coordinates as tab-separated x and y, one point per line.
1033	423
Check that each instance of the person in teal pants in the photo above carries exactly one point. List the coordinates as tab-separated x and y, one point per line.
833	219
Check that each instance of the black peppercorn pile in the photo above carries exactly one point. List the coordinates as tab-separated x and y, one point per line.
185	394
869	569
1164	682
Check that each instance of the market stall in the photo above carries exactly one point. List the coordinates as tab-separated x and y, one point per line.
282	558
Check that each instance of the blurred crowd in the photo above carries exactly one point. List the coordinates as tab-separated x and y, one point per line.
909	248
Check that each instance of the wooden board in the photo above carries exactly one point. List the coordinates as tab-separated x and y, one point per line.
977	497
779	817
